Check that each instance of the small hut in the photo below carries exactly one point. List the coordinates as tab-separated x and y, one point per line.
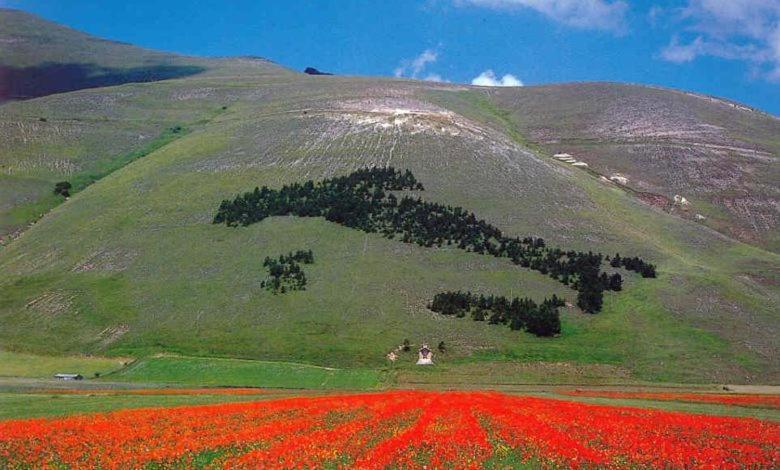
425	357
68	376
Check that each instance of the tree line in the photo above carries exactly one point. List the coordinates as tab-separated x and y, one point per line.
362	200
285	274
635	264
520	314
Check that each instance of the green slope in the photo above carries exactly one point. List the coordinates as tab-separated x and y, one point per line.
133	266
79	135
721	156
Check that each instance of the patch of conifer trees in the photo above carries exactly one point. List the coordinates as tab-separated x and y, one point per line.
362	200
63	188
633	264
519	314
285	274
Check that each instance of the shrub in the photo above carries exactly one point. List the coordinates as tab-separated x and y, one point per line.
285	274
63	188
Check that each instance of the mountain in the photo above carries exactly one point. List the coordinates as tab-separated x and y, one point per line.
85	135
39	58
719	155
131	263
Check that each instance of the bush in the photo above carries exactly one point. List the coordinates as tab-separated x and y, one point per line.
285	274
63	188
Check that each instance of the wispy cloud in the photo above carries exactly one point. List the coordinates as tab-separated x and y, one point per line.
414	67
607	15
488	78
744	30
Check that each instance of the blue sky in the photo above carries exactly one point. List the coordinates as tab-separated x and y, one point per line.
728	48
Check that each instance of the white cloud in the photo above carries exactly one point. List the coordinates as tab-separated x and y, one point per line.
774	46
744	30
654	14
488	78
679	53
412	68
585	14
415	68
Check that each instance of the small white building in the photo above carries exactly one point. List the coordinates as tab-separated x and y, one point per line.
69	376
425	357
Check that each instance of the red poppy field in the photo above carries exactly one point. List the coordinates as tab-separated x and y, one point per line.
398	429
731	399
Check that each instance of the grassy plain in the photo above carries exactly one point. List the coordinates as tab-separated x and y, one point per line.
39	405
245	373
30	365
26	388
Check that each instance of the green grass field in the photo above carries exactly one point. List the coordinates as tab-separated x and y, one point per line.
205	372
37	405
30	365
27	390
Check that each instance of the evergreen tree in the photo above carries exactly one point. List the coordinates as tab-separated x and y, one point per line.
615	282
285	274
63	188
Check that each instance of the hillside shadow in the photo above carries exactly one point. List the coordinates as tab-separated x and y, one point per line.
50	78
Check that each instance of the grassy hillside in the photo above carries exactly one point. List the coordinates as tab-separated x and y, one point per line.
722	157
39	58
132	265
81	136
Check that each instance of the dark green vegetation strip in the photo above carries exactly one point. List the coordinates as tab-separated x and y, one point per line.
359	200
32	211
81	180
519	314
285	274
